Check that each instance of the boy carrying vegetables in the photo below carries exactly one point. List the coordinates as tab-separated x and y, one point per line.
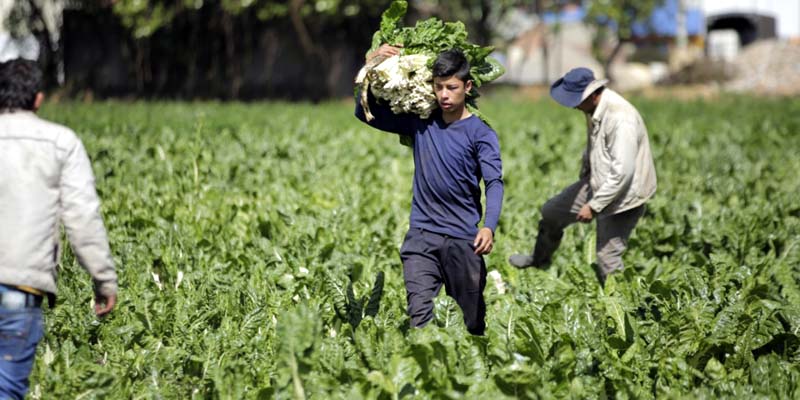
453	150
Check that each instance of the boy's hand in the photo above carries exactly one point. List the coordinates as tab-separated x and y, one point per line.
484	241
385	51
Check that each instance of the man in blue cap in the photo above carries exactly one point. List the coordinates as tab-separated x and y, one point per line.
616	180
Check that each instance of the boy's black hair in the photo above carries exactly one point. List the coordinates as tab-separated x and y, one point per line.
20	81
451	62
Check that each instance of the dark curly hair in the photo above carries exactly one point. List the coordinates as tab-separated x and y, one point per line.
20	81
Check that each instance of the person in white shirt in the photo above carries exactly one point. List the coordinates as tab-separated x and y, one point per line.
46	179
617	176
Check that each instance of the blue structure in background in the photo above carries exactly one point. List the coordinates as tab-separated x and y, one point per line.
664	21
569	14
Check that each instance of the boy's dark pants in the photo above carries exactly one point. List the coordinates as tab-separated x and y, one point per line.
432	259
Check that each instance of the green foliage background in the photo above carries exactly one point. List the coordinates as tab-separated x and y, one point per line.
285	220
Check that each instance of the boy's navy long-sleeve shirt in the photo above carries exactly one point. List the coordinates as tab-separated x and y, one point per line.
449	162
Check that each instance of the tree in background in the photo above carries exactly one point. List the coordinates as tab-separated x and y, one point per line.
204	44
234	23
479	16
615	19
40	19
231	25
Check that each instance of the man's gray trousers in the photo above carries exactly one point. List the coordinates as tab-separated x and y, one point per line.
561	211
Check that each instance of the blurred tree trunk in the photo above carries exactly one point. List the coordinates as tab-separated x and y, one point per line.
233	67
191	58
315	55
24	17
612	57
482	28
539	9
143	69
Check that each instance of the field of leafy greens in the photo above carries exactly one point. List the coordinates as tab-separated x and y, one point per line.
257	247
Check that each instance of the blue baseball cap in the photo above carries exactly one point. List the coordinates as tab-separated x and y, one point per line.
575	86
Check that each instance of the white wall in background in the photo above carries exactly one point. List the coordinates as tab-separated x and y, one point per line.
786	12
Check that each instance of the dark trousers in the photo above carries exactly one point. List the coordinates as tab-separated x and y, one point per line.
430	260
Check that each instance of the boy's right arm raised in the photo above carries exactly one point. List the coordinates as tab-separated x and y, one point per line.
384	119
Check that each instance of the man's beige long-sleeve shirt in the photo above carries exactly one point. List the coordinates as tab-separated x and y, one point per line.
46	178
617	159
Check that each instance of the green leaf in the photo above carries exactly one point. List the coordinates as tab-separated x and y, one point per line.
714	370
390	20
373	305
